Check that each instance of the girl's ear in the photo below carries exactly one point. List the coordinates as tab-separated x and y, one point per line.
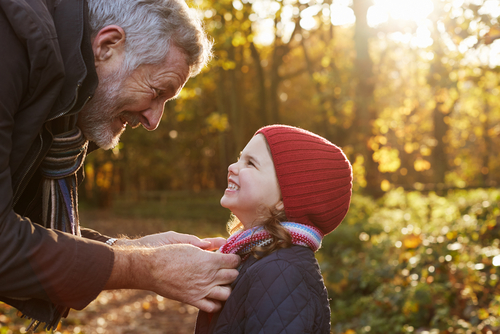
280	206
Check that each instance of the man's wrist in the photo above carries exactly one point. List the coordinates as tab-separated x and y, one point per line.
129	268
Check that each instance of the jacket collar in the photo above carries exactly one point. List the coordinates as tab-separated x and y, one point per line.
73	34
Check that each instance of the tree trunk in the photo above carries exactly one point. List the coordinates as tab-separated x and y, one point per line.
234	102
364	101
439	158
261	84
485	168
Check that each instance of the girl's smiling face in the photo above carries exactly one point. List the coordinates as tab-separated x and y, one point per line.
253	187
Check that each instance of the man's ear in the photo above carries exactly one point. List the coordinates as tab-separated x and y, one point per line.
108	44
280	206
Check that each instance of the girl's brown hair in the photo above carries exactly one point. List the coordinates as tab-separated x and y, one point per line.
281	237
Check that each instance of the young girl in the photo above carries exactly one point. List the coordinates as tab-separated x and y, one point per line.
289	188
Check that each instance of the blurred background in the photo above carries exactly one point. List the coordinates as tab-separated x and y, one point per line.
408	88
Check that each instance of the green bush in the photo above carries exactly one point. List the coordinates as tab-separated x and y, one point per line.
414	262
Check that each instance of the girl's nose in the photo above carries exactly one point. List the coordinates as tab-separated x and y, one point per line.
233	168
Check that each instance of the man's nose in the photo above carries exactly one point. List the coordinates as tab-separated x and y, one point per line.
151	117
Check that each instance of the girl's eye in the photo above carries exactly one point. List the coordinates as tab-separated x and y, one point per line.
250	163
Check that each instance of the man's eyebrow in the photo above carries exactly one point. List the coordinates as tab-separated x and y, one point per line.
168	89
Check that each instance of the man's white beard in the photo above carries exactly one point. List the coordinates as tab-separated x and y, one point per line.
96	117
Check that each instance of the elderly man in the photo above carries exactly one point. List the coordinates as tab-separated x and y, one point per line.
76	72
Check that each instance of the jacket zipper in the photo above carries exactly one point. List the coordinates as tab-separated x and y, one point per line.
71	106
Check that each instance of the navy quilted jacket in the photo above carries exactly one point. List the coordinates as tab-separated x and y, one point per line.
281	293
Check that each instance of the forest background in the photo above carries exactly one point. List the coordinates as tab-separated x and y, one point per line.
408	88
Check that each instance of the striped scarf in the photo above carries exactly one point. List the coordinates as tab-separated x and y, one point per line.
59	169
244	241
60	197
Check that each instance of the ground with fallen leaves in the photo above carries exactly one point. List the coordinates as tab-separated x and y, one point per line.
127	312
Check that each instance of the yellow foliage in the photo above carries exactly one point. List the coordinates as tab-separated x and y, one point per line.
358	172
108	167
420	165
425	151
187	93
238	39
348	107
340	286
412	241
482	314
325	61
228	65
104	176
408	148
410	307
453	76
385	185
337	91
405	256
217	122
381	139
492	35
388	159
384	129
181	117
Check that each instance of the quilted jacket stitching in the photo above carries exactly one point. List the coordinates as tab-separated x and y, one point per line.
240	316
256	276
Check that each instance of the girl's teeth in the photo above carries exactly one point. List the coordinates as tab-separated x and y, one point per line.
232	186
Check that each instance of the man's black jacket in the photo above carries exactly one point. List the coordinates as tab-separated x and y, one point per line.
46	71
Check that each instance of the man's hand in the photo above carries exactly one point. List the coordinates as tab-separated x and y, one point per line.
181	272
169	238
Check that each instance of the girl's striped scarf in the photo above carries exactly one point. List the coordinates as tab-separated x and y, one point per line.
244	241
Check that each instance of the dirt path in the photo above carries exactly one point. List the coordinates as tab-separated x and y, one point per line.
127	312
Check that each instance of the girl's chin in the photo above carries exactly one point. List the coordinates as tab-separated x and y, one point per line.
223	203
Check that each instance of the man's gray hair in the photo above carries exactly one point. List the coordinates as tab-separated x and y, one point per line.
151	26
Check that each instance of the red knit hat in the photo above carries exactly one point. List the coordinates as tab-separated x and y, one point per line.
314	175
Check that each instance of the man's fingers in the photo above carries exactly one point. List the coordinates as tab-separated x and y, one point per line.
219	293
208	305
215	243
227	261
195	241
225	276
